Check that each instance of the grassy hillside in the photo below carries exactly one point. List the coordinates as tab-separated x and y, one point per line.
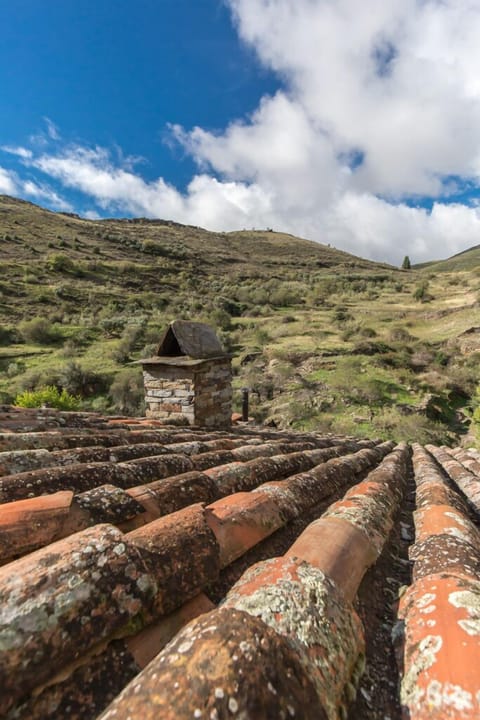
42	252
468	260
323	338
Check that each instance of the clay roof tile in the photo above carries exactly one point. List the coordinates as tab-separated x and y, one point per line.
139	527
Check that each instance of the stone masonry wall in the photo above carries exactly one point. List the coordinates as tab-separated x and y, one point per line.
199	395
213	394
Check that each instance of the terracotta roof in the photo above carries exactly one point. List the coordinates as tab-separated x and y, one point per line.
252	573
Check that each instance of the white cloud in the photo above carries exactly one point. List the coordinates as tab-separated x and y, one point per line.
45	193
380	103
18	151
415	118
207	201
52	130
376	228
8	186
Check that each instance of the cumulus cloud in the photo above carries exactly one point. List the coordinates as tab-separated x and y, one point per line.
395	80
208	202
8	186
12	184
45	194
379	110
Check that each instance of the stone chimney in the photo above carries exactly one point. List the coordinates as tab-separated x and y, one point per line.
189	380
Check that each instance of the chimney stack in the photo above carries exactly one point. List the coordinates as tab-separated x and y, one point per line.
189	380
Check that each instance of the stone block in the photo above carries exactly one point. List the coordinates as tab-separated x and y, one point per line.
171	407
184	392
159	393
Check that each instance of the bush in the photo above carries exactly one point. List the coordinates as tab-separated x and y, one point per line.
49	396
76	380
113	326
391	424
38	331
127	392
232	307
7	336
371	347
132	339
367	332
348	333
35	379
15	368
221	319
58	262
400	334
341	315
421	292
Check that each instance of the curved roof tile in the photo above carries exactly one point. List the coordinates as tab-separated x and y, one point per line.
142	526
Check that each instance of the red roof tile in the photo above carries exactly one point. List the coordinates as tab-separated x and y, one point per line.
140	526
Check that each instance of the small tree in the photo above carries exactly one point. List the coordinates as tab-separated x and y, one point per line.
406	265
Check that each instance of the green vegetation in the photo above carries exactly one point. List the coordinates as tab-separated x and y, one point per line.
325	340
48	396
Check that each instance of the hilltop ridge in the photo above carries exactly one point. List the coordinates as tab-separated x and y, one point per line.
26	229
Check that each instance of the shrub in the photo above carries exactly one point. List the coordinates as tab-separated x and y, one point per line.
286	296
232	307
399	334
36	379
392	424
371	348
76	380
15	368
421	292
149	350
341	314
348	333
39	331
127	392
262	336
221	319
367	332
7	336
6	397
48	396
132	339
70	348
61	263
113	326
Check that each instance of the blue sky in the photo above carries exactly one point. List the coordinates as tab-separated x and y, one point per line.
351	124
116	74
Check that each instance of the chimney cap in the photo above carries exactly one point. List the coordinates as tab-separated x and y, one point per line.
194	339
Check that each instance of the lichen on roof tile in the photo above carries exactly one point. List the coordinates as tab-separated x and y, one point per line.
288	530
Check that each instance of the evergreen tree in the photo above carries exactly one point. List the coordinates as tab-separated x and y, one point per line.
406	265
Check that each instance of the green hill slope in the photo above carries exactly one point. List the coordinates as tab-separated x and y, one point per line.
324	339
465	260
52	260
